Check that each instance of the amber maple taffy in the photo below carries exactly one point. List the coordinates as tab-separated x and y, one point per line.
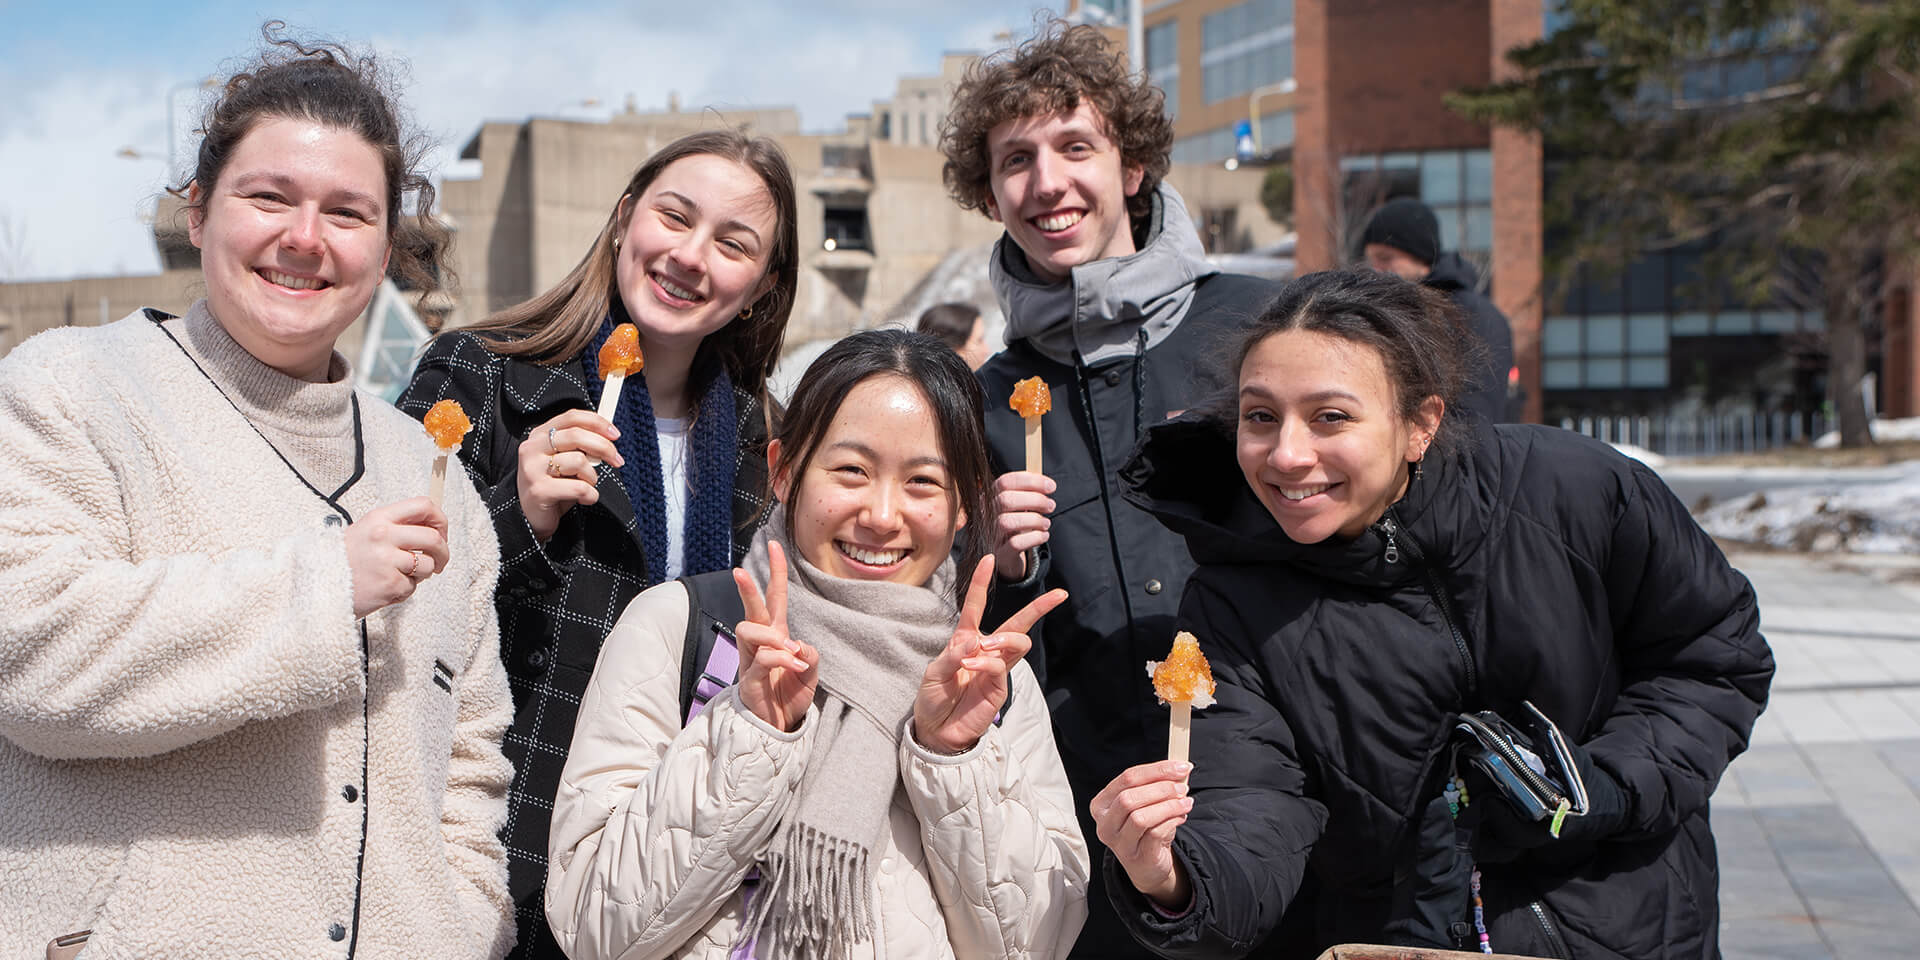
447	424
1030	400
1184	682
619	359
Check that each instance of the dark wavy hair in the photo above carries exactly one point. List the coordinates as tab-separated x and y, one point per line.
1420	335
1049	74
327	83
958	411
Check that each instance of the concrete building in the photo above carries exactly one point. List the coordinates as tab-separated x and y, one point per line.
878	232
1351	92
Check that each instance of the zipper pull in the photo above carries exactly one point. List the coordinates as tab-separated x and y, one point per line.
1393	549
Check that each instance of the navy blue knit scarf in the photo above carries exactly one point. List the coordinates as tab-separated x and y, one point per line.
709	520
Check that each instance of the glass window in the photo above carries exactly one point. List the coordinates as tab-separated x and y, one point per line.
1814	320
1561	337
1171	87
1647	284
1479	229
1774	321
1440	177
1399	161
1606	372
1733	321
1746	76
1449	220
1647	333
1560	375
1647	372
1363	161
1276	129
1691	324
1162	45
1479	176
1606	334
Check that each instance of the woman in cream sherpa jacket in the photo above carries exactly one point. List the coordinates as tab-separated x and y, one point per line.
195	750
251	696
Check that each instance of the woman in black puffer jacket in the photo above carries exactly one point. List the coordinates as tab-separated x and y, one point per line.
1370	568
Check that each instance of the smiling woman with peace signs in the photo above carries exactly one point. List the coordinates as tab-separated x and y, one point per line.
881	778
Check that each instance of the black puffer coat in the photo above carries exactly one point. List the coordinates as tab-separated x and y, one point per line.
1487	395
1574	578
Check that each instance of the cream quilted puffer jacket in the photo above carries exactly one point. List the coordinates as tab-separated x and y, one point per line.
656	825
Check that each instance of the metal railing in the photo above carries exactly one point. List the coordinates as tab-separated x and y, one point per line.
1704	435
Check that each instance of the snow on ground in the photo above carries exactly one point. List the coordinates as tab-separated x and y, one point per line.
1881	517
1884	431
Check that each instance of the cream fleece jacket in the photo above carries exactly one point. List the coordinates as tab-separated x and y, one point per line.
195	758
656	825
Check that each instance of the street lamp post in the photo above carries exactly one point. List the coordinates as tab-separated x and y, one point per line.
1282	88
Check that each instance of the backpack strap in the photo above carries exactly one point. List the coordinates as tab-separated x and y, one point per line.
711	658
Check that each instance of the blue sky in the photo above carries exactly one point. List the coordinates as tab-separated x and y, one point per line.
84	80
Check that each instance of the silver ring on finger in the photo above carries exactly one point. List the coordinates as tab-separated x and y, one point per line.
413	569
551	449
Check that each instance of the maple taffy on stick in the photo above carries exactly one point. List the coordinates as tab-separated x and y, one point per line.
619	359
447	424
1030	400
1183	681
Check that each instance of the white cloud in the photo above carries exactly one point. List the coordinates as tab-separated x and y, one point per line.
78	204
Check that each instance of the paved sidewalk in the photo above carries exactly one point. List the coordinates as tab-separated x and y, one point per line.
1818	824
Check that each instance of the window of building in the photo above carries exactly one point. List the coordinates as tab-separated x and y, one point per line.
1245	47
1457	184
844	224
1163	62
1615	330
1216	145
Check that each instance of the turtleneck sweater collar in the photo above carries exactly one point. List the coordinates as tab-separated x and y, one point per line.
311	424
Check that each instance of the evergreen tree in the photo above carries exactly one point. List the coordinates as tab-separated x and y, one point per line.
1784	134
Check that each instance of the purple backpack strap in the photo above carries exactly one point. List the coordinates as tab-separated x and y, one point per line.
722	666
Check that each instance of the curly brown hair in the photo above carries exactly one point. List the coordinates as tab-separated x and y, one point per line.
1047	75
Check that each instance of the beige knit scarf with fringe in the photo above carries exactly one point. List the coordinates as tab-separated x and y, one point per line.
875	640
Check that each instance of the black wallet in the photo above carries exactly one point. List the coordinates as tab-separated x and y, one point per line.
1532	765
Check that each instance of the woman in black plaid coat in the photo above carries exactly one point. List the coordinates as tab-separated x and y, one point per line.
700	255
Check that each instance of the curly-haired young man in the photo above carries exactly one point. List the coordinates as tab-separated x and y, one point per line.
1110	301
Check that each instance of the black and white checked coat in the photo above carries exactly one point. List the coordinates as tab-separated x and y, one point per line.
556	601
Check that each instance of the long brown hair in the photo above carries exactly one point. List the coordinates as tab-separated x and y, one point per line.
556	325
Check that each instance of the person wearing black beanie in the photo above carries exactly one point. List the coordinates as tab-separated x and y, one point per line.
1403	238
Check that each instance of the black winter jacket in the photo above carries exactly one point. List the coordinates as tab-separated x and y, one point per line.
1122	570
1488	395
1537	565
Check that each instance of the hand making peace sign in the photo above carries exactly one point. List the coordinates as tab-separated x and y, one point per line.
965	686
777	672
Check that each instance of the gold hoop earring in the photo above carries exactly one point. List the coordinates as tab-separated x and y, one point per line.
747	314
616	244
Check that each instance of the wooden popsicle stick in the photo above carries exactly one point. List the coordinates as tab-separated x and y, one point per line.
610	395
437	489
1033	445
1178	731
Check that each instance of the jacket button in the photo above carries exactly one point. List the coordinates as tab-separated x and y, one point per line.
1153	587
542	585
337	933
518	593
351	792
1113	378
332	520
537	659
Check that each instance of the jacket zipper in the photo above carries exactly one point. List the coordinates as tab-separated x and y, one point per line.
1554	941
1391	527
